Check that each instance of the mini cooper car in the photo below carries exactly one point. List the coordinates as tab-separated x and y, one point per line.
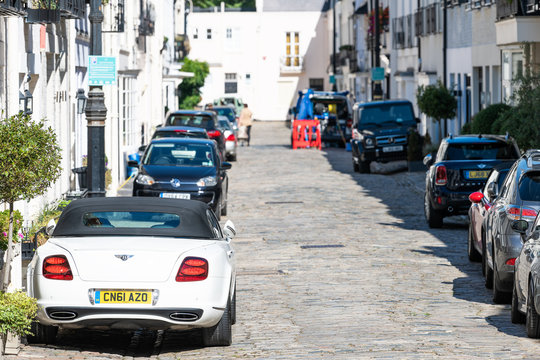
130	263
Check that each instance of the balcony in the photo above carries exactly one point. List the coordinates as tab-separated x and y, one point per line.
72	9
12	8
43	12
517	30
148	19
291	64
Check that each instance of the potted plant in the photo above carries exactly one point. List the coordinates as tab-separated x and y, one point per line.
17	312
415	143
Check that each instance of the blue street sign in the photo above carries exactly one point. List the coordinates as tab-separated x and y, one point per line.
101	70
377	74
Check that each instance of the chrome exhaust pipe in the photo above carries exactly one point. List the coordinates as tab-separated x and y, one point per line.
183	316
450	209
63	315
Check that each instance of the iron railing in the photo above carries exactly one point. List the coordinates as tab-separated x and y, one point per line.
12	8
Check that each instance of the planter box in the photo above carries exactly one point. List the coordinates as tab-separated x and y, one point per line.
416	166
11	344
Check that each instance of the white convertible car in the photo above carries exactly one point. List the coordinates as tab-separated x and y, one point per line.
131	263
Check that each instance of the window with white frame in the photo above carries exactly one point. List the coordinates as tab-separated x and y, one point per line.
512	68
231	83
209	34
229	33
128	109
292	48
195	33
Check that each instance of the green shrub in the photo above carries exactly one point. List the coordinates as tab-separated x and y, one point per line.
483	121
17	311
466	129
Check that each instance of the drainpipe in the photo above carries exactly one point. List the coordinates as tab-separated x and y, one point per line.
445	45
334	87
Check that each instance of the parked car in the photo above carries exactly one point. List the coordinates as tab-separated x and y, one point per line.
526	289
135	263
176	131
519	199
181	168
332	109
481	203
235	101
229	112
461	166
380	132
201	119
231	143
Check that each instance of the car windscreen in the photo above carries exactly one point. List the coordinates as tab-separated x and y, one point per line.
174	154
181	134
201	121
323	107
229	113
529	186
481	151
386	114
131	219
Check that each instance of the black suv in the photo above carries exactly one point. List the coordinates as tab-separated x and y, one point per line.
461	166
380	131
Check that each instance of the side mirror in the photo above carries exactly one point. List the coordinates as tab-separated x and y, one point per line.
226	165
493	190
229	230
142	148
476	197
428	160
520	226
50	227
133	163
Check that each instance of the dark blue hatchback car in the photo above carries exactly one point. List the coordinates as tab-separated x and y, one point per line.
460	167
183	168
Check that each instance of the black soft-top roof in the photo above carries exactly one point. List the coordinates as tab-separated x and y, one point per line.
192	213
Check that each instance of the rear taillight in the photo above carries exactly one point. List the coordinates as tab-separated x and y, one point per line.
214	133
517	213
57	268
231	138
440	175
511	262
193	269
349	122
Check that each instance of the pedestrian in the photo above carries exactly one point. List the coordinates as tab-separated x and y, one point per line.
246	120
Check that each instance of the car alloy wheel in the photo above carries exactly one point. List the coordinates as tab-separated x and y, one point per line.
532	320
515	315
471	250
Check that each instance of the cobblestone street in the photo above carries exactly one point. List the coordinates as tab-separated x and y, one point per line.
332	265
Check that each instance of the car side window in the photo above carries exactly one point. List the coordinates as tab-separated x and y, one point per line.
214	224
492	178
508	181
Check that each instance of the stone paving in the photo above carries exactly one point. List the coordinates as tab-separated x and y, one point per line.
332	265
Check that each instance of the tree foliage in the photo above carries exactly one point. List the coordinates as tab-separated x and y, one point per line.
228	3
29	163
190	88
437	102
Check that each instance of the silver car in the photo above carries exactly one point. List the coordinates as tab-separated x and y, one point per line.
518	199
229	133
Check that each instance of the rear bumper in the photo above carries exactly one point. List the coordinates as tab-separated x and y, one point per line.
451	203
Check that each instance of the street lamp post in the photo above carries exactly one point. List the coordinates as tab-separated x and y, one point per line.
96	113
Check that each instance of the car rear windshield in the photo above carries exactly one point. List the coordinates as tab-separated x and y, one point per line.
202	121
131	219
179	133
173	154
481	151
330	107
229	113
386	114
529	187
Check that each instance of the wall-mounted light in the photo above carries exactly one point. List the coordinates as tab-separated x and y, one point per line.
28	103
81	101
22	100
